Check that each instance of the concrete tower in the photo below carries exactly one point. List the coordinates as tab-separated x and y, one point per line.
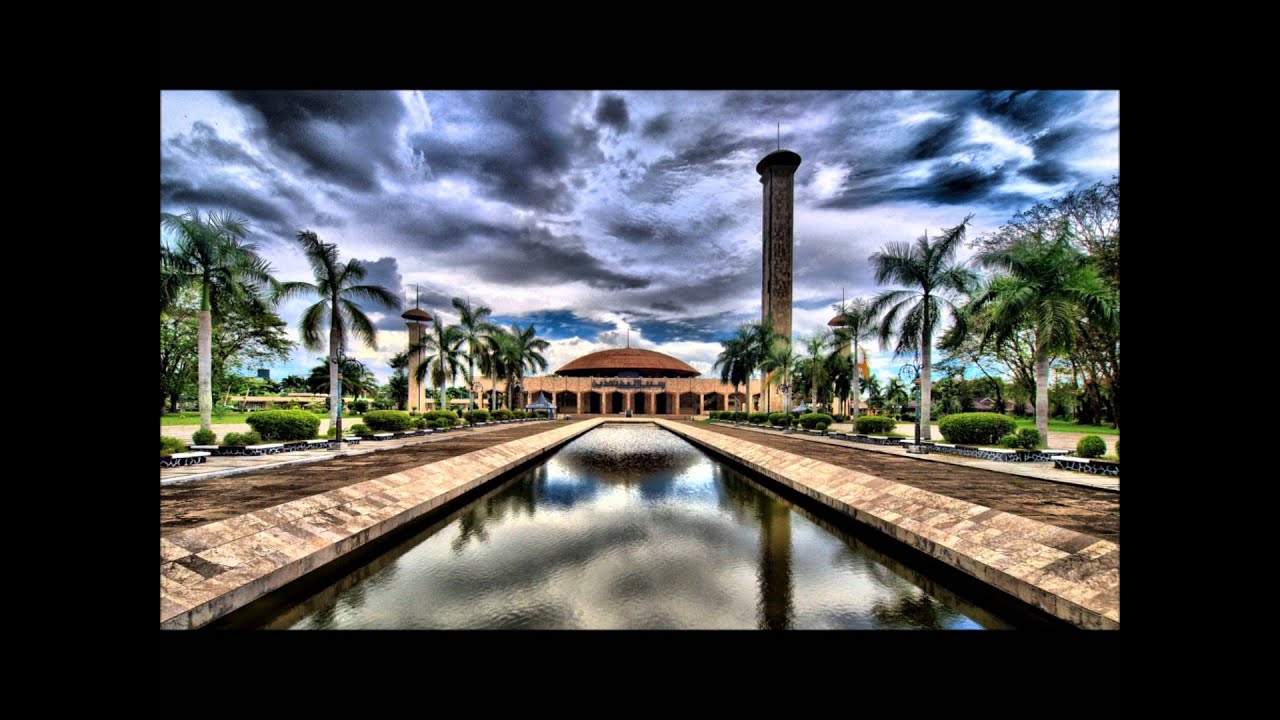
777	174
417	326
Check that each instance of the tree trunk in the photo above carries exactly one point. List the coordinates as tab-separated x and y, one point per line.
493	397
335	351
204	368
857	388
471	373
1042	395
926	383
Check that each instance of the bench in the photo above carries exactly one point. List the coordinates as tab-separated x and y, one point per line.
382	436
264	449
181	459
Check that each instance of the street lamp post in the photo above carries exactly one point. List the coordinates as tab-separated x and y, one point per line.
786	399
914	370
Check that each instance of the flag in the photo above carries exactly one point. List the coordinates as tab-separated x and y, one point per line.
864	368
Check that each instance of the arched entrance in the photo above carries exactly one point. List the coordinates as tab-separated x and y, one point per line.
688	403
566	401
640	403
617	402
592	403
712	401
662	404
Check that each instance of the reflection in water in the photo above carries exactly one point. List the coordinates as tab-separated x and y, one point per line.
632	527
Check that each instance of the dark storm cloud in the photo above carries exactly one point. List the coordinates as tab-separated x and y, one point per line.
533	256
663	178
1029	109
263	214
341	137
1049	172
204	142
937	138
426	297
657	126
523	147
956	184
612	111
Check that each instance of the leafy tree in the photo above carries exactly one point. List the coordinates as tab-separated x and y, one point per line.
915	313
294	384
859	325
474	325
780	363
813	363
211	255
442	347
521	349
338	286
1047	285
734	362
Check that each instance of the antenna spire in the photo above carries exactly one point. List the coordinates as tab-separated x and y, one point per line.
416	296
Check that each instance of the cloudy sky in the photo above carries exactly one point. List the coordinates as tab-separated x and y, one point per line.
591	212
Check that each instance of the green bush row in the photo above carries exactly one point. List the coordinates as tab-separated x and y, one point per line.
242	439
977	428
284	424
389	420
477	416
780	419
809	421
203	437
171	445
501	414
875	424
1091	446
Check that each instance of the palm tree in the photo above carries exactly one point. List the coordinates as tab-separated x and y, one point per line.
841	370
780	360
336	284
734	361
492	364
762	339
858	325
442	346
915	314
211	255
875	396
895	398
813	362
475	326
521	349
1048	285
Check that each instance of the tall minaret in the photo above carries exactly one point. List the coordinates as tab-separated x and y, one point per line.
416	317
777	174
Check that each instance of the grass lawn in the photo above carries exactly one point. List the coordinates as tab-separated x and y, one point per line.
1069	426
193	418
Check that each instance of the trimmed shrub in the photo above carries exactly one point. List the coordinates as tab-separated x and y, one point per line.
388	420
840	418
477	416
908	417
440	424
361	429
1010	441
809	421
875	424
360	406
542	413
822	426
779	419
519	414
241	439
758	418
421	423
501	414
384	404
203	437
1028	438
1091	446
739	416
285	424
976	428
171	445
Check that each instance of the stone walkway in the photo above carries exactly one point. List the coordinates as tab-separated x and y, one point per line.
204	500
211	570
1082	509
1072	575
224	465
1039	471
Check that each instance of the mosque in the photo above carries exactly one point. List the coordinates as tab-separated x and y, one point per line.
645	382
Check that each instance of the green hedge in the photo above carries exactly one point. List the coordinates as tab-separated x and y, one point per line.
779	419
1010	441
502	414
361	429
977	428
840	418
542	413
284	424
441	423
241	439
1091	446
758	418
360	406
1028	438
875	424
477	416
203	437
171	445
809	421
388	420
823	426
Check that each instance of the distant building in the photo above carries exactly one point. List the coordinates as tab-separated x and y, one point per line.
264	373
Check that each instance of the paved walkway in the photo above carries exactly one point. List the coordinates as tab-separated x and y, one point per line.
1039	471
221	466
